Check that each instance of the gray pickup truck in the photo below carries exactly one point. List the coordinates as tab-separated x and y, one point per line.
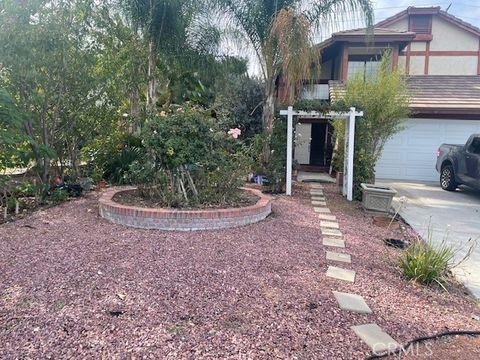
459	164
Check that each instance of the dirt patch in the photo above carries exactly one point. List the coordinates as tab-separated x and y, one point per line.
238	198
73	285
447	348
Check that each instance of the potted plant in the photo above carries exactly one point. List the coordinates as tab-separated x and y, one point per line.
339	178
377	198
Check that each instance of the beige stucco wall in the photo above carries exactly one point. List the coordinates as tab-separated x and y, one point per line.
447	36
417	65
452	65
402	63
418	46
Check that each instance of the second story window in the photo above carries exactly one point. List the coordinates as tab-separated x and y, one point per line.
365	65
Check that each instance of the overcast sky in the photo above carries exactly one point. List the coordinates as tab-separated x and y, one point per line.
467	10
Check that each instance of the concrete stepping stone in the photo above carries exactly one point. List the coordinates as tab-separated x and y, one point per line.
341	274
352	302
316	192
327	217
316	186
329	224
334	256
331	232
377	339
322	210
333	242
318	203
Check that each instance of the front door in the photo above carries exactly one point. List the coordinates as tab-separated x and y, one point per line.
303	135
317	145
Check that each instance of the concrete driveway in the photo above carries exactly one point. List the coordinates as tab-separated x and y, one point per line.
451	215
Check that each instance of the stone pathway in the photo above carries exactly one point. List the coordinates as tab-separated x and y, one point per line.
378	340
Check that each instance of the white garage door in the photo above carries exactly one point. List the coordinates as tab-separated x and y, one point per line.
411	154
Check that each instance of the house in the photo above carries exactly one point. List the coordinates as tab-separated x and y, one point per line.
439	53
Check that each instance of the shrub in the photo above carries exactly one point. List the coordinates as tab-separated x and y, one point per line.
238	104
58	196
186	160
276	166
110	157
426	263
383	98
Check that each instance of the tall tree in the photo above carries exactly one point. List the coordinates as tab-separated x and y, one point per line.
49	64
281	33
163	24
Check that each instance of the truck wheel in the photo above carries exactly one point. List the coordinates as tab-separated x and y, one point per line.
447	178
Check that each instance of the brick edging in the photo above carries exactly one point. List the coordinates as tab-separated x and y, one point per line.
166	219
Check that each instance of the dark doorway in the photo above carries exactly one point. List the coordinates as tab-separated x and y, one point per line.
317	145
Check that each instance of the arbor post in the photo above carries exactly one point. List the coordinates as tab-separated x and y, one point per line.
351	147
289	150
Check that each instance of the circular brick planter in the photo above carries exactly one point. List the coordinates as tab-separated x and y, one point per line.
184	220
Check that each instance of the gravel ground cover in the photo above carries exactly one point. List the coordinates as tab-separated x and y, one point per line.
73	285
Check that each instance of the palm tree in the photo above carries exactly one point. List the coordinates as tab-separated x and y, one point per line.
163	24
281	33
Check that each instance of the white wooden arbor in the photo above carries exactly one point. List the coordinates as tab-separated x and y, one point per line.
349	143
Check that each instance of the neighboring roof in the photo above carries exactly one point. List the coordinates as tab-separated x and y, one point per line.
364	35
429	11
436	94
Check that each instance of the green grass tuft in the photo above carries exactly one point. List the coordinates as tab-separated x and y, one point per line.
427	263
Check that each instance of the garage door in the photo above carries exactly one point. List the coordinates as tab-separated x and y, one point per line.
411	154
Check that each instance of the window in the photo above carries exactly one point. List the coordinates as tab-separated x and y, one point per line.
421	24
474	147
366	67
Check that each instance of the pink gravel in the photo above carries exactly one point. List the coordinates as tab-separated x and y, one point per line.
73	285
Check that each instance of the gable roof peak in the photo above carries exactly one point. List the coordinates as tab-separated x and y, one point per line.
432	10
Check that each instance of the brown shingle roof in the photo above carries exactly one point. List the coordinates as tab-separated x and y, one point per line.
436	94
368	36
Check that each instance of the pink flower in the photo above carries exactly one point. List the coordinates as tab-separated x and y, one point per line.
235	133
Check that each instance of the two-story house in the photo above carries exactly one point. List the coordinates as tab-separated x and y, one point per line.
439	53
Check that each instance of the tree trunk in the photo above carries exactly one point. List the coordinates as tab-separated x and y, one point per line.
152	84
267	119
134	100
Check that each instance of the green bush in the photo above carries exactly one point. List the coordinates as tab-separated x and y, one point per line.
426	263
110	157
186	160
383	98
29	189
238	104
276	167
58	196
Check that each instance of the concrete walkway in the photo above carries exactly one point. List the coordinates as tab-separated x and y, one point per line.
306	176
332	238
438	214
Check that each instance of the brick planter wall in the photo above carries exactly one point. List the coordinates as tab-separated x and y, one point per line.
184	220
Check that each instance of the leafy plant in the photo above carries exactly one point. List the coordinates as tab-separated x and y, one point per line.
58	196
383	98
426	263
239	104
109	157
276	167
186	160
